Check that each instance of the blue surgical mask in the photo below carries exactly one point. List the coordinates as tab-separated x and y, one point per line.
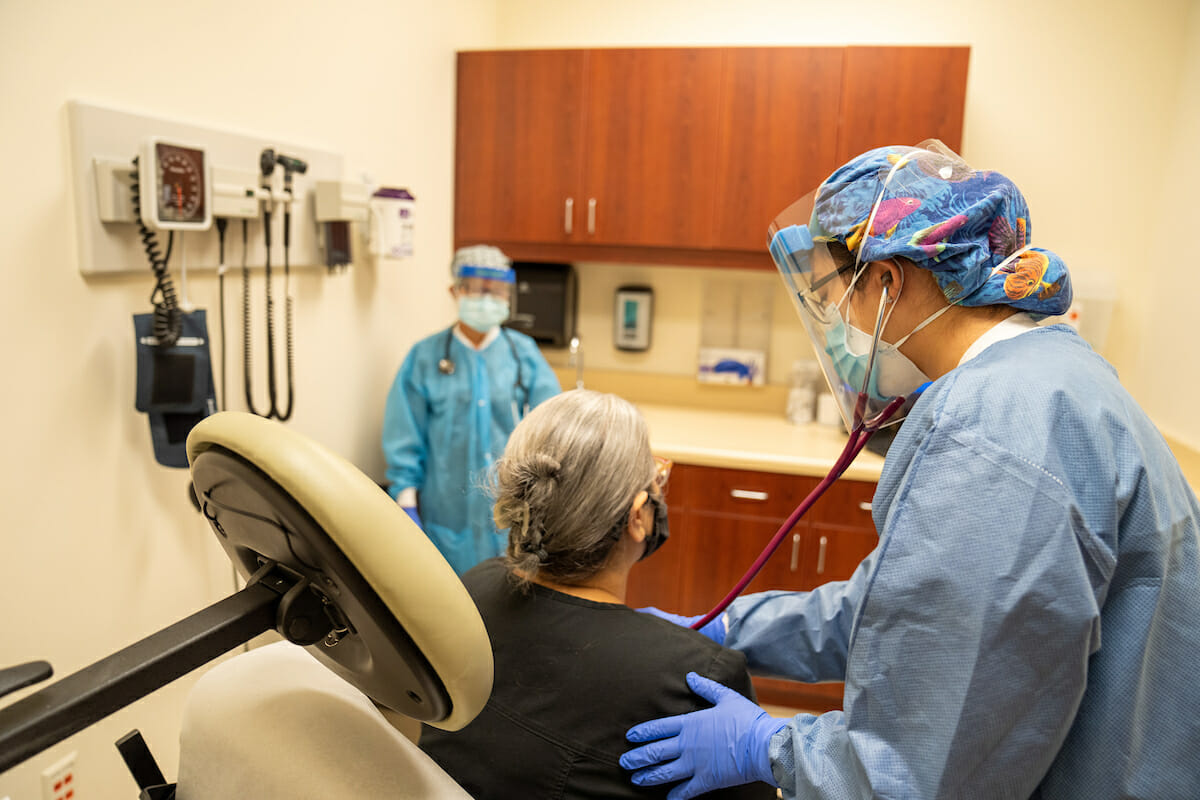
482	312
849	349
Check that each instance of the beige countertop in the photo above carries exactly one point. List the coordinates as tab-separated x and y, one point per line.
769	443
756	441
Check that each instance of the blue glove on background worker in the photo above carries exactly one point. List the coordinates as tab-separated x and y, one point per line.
726	745
413	515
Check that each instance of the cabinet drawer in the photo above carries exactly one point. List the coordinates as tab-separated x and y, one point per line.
845	503
746	493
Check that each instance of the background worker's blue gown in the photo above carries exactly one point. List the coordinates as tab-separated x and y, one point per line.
442	432
1029	625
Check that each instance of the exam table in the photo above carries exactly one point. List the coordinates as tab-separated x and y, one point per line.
376	623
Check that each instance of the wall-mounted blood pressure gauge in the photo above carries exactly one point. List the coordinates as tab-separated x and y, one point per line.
176	191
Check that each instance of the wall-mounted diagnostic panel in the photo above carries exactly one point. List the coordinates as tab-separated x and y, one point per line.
187	176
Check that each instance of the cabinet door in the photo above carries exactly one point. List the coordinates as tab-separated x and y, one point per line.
519	145
651	137
778	136
720	550
901	95
831	553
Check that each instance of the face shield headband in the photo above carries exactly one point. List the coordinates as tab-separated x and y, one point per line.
820	270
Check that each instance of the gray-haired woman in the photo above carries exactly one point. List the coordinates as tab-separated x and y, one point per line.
582	498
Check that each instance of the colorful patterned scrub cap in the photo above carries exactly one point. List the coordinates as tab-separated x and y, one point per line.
970	228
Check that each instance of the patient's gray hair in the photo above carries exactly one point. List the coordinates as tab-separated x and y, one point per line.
566	482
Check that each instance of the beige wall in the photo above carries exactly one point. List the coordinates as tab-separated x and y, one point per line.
100	546
1092	113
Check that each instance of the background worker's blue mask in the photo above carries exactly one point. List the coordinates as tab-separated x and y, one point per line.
482	312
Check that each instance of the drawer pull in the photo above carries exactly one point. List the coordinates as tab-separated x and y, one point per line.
568	215
821	555
795	551
746	494
591	216
865	506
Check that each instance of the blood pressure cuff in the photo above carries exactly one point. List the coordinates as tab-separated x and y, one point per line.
174	384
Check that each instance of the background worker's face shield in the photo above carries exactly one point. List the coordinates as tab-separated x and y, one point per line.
820	274
485	287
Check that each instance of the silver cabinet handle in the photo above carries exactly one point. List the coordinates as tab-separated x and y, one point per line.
821	555
746	494
591	216
866	506
795	551
569	215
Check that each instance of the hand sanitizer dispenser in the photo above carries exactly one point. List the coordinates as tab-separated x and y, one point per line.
631	317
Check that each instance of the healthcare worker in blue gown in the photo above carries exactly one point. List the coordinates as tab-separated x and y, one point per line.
1029	623
457	397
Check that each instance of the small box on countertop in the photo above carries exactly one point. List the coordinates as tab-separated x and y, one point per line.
732	366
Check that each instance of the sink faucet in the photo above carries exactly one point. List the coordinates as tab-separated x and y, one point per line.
575	359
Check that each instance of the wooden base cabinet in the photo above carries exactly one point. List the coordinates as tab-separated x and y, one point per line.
720	521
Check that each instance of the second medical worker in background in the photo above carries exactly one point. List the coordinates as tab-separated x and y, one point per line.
454	402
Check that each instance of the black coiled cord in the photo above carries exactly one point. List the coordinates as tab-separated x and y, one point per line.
168	319
246	347
287	310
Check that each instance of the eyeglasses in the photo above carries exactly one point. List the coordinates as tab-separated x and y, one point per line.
477	287
662	472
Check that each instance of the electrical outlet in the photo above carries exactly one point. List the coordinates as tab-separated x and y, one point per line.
58	780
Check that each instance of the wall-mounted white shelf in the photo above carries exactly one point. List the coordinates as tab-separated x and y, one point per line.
103	139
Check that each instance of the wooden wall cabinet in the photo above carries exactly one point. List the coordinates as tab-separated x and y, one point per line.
590	147
677	155
720	521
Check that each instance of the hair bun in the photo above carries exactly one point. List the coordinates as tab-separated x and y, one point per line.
543	467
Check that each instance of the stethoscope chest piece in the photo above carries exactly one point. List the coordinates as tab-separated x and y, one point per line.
445	366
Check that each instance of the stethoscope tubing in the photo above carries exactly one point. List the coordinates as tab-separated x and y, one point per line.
446	366
854	445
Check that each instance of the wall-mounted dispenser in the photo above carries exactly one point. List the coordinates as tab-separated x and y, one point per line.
392	212
544	304
337	204
632	315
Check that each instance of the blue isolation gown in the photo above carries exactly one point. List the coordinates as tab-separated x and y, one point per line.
442	432
1029	625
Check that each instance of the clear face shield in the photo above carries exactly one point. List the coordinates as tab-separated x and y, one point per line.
475	286
820	273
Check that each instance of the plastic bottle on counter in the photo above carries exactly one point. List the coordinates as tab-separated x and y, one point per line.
802	396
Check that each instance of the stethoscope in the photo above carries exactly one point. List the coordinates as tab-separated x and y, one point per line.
861	431
446	366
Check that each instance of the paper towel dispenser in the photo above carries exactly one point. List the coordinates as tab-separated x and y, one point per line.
545	302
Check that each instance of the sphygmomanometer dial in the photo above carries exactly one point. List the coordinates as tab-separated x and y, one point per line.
180	183
176	188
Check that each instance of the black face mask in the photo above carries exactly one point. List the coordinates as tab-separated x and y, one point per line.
660	530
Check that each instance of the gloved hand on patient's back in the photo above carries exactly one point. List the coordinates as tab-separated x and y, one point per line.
726	745
714	630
